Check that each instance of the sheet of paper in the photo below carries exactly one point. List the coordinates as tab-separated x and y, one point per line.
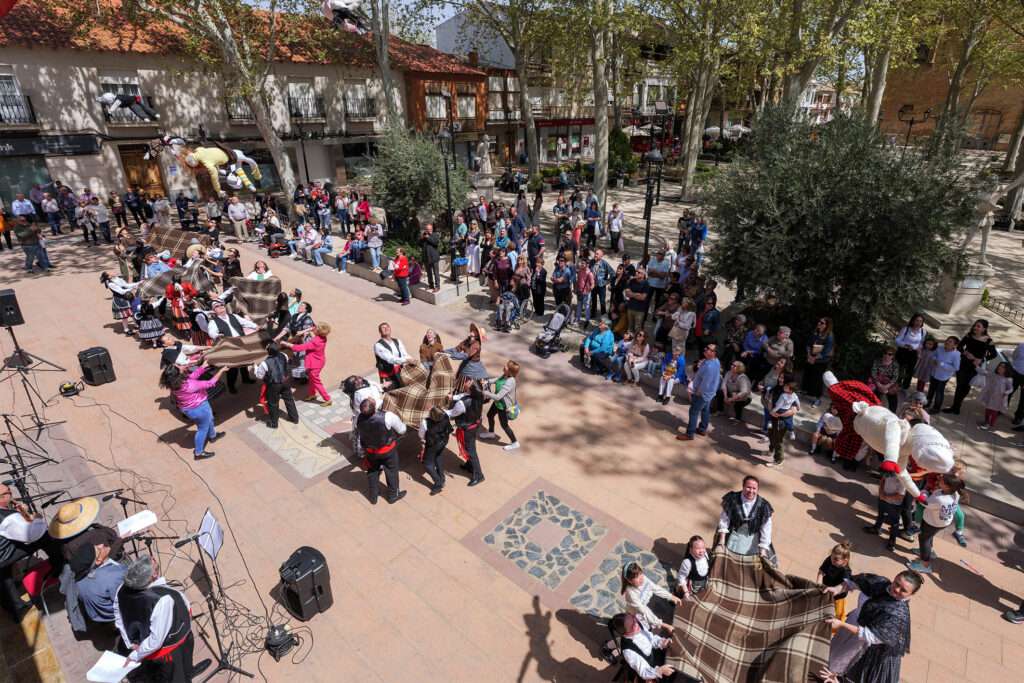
211	535
110	668
137	523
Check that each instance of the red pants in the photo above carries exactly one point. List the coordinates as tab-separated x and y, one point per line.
315	385
991	416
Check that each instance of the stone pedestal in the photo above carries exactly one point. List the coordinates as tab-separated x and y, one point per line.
485	187
963	298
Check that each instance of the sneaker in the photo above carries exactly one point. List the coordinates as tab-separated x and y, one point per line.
890	546
960	538
326	404
816	403
792	436
1014	616
205	455
983	426
216	436
773	464
512	446
919	567
484	434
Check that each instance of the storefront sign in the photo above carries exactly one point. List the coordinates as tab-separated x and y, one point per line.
562	123
50	145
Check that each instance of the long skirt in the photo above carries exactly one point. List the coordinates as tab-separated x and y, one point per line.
179	316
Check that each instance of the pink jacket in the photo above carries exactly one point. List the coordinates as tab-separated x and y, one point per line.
314	348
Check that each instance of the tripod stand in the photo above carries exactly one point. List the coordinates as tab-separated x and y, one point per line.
22	362
213	599
15	454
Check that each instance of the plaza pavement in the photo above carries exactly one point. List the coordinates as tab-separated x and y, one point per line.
424	590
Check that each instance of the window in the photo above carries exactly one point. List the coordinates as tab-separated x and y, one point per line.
495	83
513	84
653	94
467	106
495	106
121	85
437	107
303	102
14	108
358	103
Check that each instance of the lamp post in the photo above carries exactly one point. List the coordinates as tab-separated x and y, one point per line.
451	123
653	158
445	139
906	115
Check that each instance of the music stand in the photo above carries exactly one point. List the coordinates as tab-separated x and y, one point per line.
214	597
22	362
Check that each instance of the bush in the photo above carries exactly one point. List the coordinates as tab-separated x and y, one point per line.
621	160
535	183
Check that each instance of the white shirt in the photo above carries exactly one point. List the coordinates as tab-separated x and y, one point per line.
22	207
384	351
638	597
393	422
118	285
213	331
15	528
50	206
100	213
237	212
940	508
646	642
159	624
786	401
765	540
259	276
687	566
908	337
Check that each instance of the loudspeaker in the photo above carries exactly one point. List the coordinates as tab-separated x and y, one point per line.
306	584
10	312
97	368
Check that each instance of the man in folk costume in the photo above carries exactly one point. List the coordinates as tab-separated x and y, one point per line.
869	646
745	525
379	431
155	621
467	407
390	355
224	324
358	390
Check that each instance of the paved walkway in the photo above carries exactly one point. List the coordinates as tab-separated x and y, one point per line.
428	590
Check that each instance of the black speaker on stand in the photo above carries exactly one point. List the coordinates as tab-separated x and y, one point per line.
306	584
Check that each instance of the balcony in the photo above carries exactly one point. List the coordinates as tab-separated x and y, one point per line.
309	108
495	115
360	110
124	116
16	110
239	111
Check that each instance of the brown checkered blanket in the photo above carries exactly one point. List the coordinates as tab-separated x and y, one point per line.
174	240
753	623
255	299
421	390
233	352
156	287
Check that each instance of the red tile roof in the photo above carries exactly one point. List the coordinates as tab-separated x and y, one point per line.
34	23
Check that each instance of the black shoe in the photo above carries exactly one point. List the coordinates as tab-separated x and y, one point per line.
372	499
871	529
205	455
466	466
477	480
891	546
272	425
952	411
399	496
434	490
200	667
216	436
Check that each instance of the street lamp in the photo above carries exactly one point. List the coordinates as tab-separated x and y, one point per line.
906	115
451	123
653	158
445	140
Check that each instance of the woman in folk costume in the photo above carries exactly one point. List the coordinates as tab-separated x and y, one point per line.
122	294
180	295
468	351
869	646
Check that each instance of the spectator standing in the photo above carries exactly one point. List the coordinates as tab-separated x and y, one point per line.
636	295
702	391
239	217
658	269
785	404
401	272
22	207
584	287
819	356
117	210
908	346
51	209
975	349
945	363
29	239
430	246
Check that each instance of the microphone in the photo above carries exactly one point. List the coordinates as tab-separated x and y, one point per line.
188	539
110	496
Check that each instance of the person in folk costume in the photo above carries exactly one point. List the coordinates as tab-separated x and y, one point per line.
468	351
379	431
869	646
745	524
155	622
122	294
390	355
180	294
434	431
843	395
358	390
274	373
466	410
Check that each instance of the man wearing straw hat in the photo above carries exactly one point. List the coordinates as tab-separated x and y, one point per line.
75	525
155	621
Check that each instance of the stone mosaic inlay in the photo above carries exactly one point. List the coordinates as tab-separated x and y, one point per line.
599	595
545	538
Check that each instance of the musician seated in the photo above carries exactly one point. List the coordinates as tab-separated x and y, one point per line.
155	622
96	579
22	533
75	525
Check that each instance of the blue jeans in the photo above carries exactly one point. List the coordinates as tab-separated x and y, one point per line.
700	408
292	245
325	220
343	219
202	416
583	307
374	257
318	255
403	287
54	220
342	263
34	253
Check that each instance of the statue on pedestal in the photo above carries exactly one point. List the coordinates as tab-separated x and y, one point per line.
483	153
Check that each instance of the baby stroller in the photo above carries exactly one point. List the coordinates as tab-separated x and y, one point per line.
549	340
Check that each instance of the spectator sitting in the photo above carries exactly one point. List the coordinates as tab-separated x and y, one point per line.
829	426
325	246
597	347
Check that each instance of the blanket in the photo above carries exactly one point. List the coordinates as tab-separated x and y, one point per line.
255	299
753	623
234	352
156	287
421	390
174	240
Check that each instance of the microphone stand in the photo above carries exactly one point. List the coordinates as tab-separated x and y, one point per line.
124	501
212	603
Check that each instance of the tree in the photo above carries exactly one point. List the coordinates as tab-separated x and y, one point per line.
409	178
380	21
835	224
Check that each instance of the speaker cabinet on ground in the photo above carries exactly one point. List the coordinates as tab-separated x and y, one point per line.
306	583
10	312
97	368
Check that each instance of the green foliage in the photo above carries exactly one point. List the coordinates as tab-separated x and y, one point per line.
535	183
620	154
836	224
409	179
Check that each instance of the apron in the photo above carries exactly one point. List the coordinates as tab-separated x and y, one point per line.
744	542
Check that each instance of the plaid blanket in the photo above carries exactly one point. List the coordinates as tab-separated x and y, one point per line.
156	287
233	352
753	623
255	299
174	240
421	390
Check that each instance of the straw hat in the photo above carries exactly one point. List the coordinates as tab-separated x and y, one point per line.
193	249
73	518
480	333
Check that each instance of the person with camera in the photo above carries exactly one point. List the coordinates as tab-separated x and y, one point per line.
430	246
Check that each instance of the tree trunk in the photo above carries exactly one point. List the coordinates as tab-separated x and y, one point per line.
879	74
615	85
699	104
951	106
278	152
597	61
380	18
1013	152
526	109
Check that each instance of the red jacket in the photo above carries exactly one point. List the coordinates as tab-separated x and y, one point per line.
315	352
402	266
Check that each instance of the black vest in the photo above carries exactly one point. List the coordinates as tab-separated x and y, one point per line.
137	608
373	432
7	546
474	407
384	366
277	366
695	576
438	432
225	329
628	644
169	356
